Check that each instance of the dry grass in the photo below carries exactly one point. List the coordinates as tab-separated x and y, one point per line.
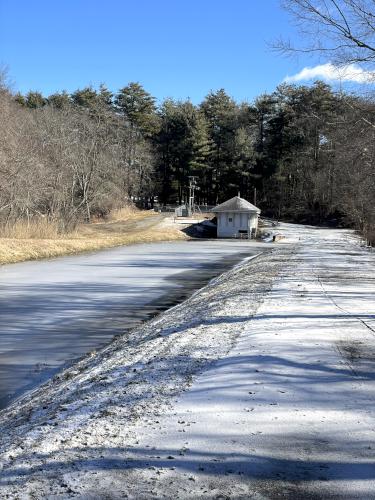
37	228
125	227
129	213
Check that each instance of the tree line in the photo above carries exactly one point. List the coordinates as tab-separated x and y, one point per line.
301	153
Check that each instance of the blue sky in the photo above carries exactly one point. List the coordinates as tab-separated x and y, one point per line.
179	49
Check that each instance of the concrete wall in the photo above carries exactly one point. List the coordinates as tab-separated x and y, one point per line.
229	224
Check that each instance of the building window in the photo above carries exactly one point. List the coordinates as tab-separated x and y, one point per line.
230	219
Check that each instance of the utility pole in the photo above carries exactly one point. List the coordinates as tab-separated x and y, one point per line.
192	187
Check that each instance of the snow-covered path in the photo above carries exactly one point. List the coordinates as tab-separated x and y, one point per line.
286	412
290	411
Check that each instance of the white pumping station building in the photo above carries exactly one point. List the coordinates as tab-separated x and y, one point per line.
236	218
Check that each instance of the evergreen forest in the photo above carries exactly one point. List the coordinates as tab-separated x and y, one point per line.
301	153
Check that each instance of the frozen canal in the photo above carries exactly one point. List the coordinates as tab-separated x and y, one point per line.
51	312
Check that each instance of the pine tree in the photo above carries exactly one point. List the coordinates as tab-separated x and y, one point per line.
221	113
59	100
35	99
105	96
86	97
20	99
138	107
201	151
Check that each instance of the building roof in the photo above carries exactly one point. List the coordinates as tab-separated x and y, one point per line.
236	204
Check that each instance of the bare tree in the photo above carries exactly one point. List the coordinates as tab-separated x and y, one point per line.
63	164
353	170
343	30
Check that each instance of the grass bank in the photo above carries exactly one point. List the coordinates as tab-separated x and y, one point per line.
39	240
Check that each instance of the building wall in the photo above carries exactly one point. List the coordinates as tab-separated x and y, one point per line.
229	224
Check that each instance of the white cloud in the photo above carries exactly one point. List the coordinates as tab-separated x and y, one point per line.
331	73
